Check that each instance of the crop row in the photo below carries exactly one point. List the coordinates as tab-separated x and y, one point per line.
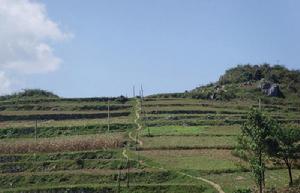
208	122
120	99
194	112
28	107
28	132
98	154
92	188
220	105
64	178
59	116
77	143
77	164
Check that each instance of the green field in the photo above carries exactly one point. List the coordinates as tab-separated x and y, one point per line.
72	149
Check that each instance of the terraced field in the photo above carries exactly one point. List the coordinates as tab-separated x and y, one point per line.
154	145
198	138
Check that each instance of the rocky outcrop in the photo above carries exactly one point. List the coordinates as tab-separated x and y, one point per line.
274	91
270	89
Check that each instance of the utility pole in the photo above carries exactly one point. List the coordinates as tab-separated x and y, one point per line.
128	166
133	91
108	115
148	128
142	92
35	137
35	131
136	141
119	183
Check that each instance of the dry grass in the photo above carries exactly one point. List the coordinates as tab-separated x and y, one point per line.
63	123
77	143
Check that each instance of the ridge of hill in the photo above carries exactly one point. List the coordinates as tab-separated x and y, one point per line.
265	81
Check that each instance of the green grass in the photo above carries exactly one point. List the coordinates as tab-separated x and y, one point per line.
43	132
206	160
76	155
181	142
192	130
233	181
53	179
65	123
67	165
134	188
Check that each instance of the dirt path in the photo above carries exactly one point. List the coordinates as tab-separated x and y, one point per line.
136	121
139	128
216	186
124	153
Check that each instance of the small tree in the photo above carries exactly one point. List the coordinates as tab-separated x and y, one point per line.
285	146
253	140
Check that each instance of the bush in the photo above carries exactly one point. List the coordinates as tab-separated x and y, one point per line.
243	190
30	93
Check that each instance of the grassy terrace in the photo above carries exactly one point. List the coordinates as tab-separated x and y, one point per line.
175	130
197	137
188	142
75	151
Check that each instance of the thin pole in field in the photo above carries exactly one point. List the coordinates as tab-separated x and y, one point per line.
119	182
35	137
128	166
142	91
259	104
133	91
108	115
148	128
35	131
136	141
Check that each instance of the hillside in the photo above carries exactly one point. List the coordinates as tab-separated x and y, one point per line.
174	143
250	82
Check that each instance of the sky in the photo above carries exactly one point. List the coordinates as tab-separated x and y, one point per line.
91	48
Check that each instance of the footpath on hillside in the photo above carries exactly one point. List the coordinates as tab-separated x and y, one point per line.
138	141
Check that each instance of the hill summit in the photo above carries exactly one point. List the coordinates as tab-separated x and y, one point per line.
249	82
252	81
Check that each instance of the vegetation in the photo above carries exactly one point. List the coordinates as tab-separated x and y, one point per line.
243	82
52	144
77	143
276	74
31	94
285	146
254	140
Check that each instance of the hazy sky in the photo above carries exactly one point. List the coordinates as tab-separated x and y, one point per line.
104	47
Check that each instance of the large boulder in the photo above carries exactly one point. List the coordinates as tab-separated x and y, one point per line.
274	91
270	89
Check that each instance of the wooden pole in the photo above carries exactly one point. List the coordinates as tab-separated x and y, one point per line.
142	92
133	91
119	183
35	131
128	166
148	128
108	115
35	137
